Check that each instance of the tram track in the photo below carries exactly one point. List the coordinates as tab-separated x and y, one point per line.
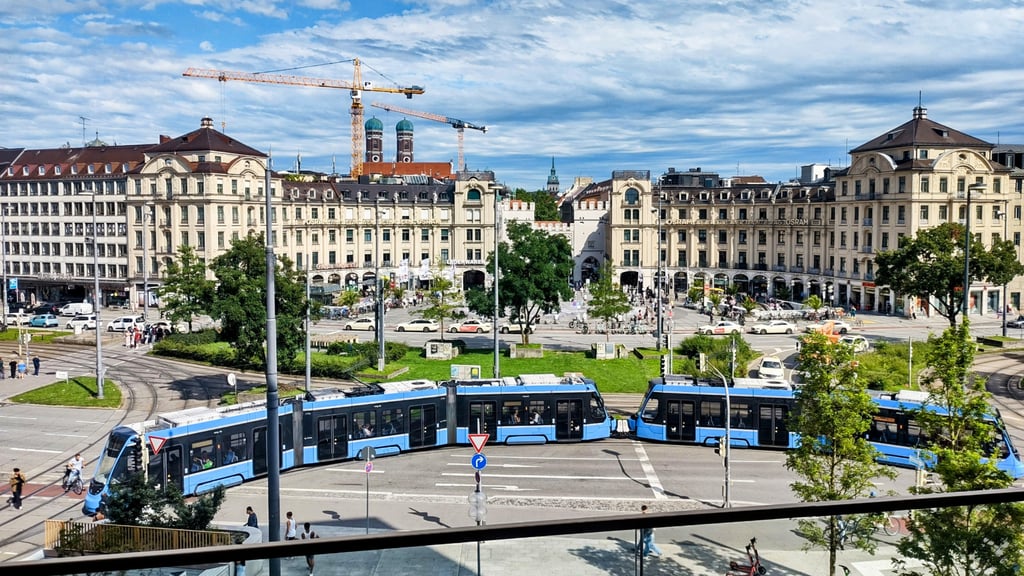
148	386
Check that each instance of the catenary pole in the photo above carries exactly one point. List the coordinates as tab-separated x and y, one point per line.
273	430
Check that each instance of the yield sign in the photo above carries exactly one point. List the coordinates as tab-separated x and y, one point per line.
156	443
478	441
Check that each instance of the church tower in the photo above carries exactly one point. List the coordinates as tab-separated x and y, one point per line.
374	140
403	130
552	180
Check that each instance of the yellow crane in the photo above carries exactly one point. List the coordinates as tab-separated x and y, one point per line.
459	125
356	88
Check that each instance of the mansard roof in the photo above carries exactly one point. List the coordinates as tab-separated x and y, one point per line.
919	131
205	139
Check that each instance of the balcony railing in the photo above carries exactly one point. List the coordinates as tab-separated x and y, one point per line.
866	249
867	222
778	268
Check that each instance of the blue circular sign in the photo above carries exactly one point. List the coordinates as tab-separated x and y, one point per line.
479	461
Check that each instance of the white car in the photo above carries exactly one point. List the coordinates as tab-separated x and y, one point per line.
472	326
858	343
16	319
125	322
82	322
365	323
514	328
419	325
773	327
722	327
771	367
829	326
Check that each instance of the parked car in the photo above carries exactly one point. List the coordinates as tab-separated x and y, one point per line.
44	321
123	323
365	323
82	322
75	309
722	327
514	328
168	327
17	319
771	367
46	308
773	327
1018	323
474	326
829	326
419	325
858	343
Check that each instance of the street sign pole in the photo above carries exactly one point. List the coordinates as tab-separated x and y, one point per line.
477	500
368	455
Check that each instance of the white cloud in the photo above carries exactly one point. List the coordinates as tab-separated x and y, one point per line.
206	46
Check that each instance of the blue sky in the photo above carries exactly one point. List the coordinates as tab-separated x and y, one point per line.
741	87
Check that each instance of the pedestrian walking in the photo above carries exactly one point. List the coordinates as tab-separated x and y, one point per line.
17	483
250	518
647	538
2	373
14	369
289	527
127	338
22	369
308	534
138	338
35	365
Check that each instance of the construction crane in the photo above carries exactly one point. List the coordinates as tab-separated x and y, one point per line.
356	88
459	125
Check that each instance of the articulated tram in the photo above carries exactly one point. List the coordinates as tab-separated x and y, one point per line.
201	448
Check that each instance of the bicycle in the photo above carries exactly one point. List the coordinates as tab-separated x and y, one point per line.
75	485
753	568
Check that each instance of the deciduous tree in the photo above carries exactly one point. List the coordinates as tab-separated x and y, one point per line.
607	300
185	293
833	458
442	299
240	302
931	265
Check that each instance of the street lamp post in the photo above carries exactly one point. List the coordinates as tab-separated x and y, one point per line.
3	259
379	308
96	301
657	276
1005	216
497	232
976	187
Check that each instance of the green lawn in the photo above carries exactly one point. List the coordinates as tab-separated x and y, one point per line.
79	391
620	375
11	334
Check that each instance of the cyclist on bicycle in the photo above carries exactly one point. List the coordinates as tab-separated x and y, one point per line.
73	471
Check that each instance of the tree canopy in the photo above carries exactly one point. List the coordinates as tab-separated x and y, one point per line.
240	302
545	209
442	299
535	268
185	293
833	458
965	445
931	265
607	300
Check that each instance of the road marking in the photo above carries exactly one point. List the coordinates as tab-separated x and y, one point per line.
649	473
65	435
37	450
18	418
508	488
540	476
735	461
881	567
494	465
360	470
493	458
87	422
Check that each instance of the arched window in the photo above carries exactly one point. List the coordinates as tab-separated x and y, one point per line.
473	195
632	196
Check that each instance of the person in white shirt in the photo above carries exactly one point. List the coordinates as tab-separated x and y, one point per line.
73	470
289	527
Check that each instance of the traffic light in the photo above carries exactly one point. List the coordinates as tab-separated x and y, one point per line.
136	453
720	448
664	364
665	342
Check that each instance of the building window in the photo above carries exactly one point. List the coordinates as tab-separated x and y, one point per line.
924	214
444	234
925	185
901	185
722	237
405	234
943	185
681	235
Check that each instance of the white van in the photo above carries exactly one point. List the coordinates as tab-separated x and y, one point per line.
76	309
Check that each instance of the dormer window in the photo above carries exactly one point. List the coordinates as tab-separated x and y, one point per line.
684	196
745	195
24	170
106	168
90	169
167	161
703	195
723	196
56	169
784	193
202	158
124	168
42	170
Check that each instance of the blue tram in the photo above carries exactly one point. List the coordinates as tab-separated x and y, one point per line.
681	409
201	448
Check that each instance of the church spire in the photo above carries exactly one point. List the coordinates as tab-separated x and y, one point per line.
552	187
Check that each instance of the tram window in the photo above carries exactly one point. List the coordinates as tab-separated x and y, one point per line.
741	415
202	455
537	412
711	413
235	448
597	412
481	415
364	424
512	413
915	435
883	429
651	409
391	421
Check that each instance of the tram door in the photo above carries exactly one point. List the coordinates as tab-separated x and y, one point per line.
680	421
568	420
422	426
771	427
175	470
483	418
331	437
